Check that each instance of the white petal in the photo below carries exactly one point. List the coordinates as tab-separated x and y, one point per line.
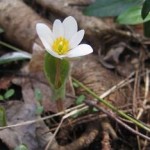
70	27
45	34
50	51
76	39
45	43
58	29
81	50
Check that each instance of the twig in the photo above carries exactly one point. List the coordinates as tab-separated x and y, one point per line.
63	118
146	94
113	108
135	92
119	85
44	118
82	120
113	116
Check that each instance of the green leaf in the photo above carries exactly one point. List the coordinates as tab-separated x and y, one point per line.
80	99
50	68
105	8
132	16
147	29
14	56
50	65
9	93
1	97
2	117
21	147
145	8
38	95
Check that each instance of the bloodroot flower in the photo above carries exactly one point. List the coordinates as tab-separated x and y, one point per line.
64	39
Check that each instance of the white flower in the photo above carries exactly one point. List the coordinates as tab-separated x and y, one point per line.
63	40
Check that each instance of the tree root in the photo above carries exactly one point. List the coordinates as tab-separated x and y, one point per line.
84	140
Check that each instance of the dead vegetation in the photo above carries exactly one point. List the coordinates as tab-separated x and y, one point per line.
117	71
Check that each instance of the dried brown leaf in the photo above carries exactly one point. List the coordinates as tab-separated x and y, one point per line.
22	111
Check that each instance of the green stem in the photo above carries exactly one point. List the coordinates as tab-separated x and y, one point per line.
57	78
59	102
106	103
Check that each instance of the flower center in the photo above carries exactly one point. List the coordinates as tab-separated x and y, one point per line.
61	46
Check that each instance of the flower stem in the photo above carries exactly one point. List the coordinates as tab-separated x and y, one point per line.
59	104
59	101
57	77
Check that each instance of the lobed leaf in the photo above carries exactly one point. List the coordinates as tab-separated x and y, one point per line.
106	8
50	65
132	16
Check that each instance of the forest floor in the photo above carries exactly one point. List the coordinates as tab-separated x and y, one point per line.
116	72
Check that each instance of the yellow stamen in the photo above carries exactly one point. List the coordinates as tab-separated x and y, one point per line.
61	46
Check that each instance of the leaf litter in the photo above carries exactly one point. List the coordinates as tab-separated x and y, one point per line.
123	58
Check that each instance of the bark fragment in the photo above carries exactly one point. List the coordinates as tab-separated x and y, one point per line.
18	21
